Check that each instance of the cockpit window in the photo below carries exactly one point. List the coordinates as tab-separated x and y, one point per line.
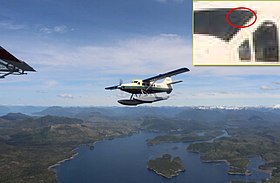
265	40
245	51
213	22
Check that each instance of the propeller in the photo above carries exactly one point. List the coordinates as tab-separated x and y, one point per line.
114	87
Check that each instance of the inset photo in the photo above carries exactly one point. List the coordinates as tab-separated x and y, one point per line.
236	32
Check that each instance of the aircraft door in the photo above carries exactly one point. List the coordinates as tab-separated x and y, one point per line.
265	40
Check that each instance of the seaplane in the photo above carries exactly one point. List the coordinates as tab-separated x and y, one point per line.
144	91
10	65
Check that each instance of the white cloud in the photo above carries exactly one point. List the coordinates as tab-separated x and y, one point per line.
7	24
50	84
274	85
179	1
55	29
231	95
60	29
45	30
233	70
140	55
276	82
41	91
165	1
162	1
265	87
66	96
11	25
123	95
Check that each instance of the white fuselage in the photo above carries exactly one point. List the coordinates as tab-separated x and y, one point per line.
140	87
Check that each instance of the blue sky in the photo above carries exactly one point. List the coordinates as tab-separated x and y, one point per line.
80	47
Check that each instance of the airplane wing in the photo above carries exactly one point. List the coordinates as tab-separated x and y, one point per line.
9	64
168	74
213	22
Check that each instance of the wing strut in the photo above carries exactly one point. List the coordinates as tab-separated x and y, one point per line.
9	64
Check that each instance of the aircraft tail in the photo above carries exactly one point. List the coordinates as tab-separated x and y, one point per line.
168	81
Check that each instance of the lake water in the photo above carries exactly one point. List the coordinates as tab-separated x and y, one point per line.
124	160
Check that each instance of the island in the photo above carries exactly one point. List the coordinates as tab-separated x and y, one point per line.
244	143
166	166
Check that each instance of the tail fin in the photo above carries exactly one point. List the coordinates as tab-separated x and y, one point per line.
167	81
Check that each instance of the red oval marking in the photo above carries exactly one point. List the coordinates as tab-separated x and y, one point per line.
240	26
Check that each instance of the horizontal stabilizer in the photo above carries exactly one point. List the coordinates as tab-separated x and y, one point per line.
112	87
175	82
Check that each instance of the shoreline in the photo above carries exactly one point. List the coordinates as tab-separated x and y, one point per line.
167	177
52	167
268	170
75	154
246	173
175	166
62	161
